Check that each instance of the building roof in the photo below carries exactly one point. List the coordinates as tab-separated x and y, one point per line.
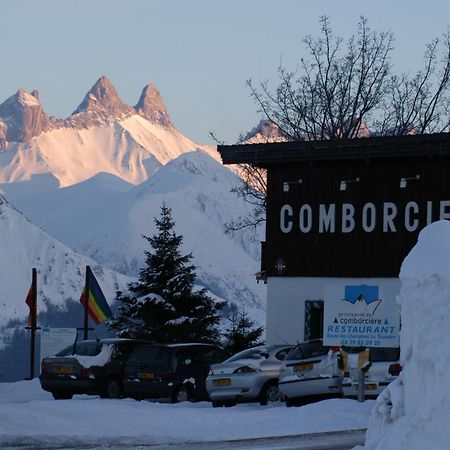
350	149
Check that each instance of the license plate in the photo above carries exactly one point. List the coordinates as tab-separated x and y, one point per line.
222	382
368	387
63	369
146	375
303	367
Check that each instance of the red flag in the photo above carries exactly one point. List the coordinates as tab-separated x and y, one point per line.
32	304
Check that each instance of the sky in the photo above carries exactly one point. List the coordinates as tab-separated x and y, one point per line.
199	53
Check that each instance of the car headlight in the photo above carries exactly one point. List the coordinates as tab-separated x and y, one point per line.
245	369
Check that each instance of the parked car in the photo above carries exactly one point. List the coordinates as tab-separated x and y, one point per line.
249	375
88	367
383	367
310	369
174	372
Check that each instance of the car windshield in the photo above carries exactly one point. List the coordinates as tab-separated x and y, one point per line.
252	353
384	354
67	351
156	356
307	350
82	348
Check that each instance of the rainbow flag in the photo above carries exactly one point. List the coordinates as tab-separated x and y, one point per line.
98	308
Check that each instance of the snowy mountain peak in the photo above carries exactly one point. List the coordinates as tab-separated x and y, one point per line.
152	107
27	99
23	117
101	103
265	131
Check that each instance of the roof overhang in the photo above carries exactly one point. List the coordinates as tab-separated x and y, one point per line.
339	149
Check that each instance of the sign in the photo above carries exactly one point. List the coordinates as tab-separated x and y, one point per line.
319	229
361	316
53	340
346	218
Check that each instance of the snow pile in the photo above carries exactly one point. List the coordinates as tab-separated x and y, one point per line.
98	360
29	417
414	411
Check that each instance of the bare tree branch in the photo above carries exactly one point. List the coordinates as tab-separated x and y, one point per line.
348	91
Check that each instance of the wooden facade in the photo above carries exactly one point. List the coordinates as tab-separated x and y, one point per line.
348	208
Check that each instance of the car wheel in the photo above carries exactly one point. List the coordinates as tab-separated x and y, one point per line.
270	393
62	395
113	388
182	394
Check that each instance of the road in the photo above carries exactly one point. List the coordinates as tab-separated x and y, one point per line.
339	440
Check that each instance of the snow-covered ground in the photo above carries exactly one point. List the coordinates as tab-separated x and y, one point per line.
29	414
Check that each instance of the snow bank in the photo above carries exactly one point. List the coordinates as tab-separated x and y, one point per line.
414	411
29	415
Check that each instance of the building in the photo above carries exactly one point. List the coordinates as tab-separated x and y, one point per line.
341	217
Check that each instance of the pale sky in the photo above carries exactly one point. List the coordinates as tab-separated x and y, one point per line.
199	53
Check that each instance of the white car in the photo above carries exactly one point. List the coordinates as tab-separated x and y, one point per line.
250	375
310	369
383	367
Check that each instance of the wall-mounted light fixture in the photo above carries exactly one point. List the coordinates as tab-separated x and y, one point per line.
404	181
287	183
344	183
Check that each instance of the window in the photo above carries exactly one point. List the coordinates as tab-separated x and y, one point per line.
280	355
313	320
67	351
123	349
82	348
157	356
88	348
384	354
307	350
189	358
252	353
213	355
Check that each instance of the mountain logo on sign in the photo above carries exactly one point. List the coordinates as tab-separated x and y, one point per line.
363	294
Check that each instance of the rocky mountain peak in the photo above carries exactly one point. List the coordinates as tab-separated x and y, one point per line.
22	117
152	107
101	103
265	131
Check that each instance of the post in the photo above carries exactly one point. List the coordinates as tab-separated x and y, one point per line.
361	385
33	324
86	304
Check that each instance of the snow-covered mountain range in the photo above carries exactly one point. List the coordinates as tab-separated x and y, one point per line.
102	135
25	245
95	181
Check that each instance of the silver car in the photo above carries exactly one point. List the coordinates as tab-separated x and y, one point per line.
250	375
310	369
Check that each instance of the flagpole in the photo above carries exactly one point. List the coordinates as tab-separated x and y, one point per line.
33	321
86	304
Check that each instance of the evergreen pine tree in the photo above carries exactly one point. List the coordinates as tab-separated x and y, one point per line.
242	333
162	305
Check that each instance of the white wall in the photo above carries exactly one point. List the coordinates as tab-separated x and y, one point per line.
286	298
